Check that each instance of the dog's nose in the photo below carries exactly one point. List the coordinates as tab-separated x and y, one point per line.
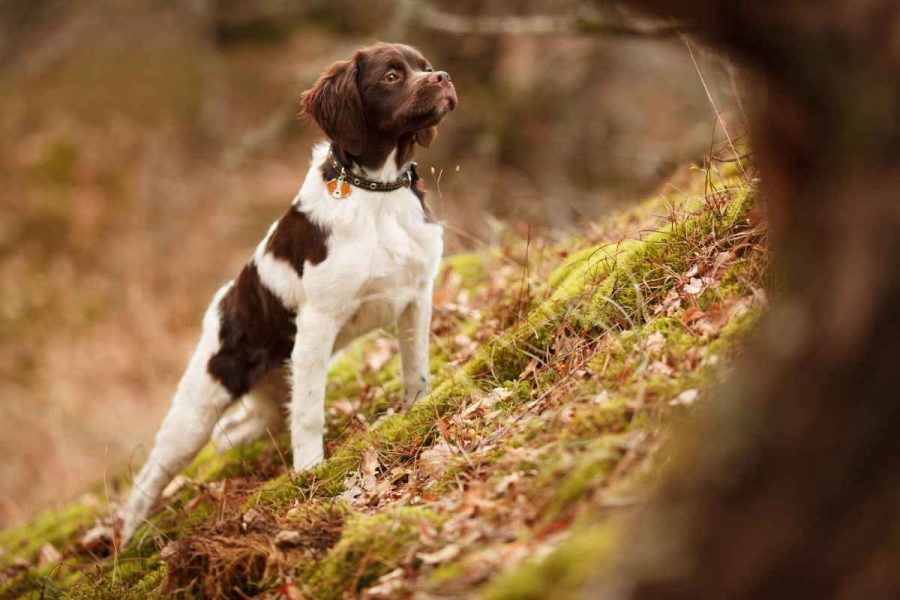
439	77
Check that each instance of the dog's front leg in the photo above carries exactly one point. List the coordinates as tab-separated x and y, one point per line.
316	332
413	328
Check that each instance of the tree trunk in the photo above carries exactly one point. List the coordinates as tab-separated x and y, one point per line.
790	484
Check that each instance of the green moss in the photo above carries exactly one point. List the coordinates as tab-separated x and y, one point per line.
573	481
469	267
602	295
112	588
576	261
369	548
562	574
57	527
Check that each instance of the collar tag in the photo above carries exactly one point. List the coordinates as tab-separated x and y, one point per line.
338	188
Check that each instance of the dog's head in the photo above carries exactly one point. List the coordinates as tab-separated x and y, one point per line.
383	94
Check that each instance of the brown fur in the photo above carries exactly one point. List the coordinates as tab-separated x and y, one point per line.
297	240
257	331
367	117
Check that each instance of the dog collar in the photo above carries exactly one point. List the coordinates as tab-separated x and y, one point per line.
339	187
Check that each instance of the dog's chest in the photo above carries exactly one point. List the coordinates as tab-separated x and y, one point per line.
404	256
386	253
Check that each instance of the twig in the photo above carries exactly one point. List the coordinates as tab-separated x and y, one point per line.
737	158
589	24
687	43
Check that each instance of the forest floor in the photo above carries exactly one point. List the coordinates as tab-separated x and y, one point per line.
559	373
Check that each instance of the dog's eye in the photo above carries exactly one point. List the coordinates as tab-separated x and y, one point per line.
429	68
391	77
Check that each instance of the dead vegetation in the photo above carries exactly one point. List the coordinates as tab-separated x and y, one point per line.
558	372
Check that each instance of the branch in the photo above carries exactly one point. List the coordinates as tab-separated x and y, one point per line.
584	24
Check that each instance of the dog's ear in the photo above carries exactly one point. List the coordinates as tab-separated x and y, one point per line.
335	104
424	137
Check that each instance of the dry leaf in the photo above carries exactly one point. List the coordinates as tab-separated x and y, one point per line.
380	355
685	398
446	553
48	555
97	541
654	343
662	368
168	551
497	394
507	482
290	591
694	287
602	398
288	538
434	459
369	468
386	586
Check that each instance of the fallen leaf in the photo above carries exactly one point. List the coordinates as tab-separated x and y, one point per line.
497	394
694	287
434	459
290	591
386	586
344	408
288	539
168	551
685	398
602	398
507	482
381	353
97	541
662	368
654	343
446	553
48	555
253	519
369	468
352	493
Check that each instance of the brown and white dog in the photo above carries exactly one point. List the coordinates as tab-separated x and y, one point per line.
354	252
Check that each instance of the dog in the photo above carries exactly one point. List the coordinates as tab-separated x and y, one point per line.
356	251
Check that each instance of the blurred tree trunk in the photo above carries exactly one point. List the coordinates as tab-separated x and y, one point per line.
791	485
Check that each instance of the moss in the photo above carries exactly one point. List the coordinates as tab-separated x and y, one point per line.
583	475
397	438
468	266
369	548
603	296
57	527
576	261
563	573
111	588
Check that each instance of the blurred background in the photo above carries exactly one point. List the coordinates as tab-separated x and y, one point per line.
146	146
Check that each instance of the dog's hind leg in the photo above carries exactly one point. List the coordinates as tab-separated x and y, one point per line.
259	413
198	403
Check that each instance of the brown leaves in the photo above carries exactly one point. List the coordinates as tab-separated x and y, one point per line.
48	555
383	349
368	470
98	541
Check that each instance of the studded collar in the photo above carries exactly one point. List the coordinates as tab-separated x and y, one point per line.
339	187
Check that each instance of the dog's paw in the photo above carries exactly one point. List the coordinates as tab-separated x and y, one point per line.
413	391
308	454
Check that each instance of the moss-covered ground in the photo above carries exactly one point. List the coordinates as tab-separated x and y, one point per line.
558	370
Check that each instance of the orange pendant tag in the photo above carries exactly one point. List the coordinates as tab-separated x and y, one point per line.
338	188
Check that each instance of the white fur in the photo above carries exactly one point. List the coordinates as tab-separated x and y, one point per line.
382	259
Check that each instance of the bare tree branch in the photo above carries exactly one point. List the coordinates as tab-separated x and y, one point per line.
581	24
